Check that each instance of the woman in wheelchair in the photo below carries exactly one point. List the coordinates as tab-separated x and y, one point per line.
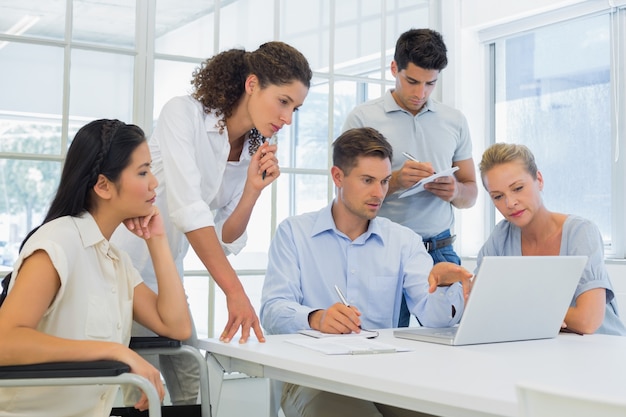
73	295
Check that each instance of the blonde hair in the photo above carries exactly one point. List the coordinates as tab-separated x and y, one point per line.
501	153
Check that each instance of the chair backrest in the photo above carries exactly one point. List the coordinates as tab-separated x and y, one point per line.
5	287
538	401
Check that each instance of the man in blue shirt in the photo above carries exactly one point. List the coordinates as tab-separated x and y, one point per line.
373	260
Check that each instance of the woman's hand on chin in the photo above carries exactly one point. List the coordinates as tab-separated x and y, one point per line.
147	226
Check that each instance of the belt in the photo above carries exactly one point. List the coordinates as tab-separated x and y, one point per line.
432	245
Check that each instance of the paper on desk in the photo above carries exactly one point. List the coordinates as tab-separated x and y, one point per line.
349	346
368	334
419	186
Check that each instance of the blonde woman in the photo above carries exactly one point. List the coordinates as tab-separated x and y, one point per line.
514	183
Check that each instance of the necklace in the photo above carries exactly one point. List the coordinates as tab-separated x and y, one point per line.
255	139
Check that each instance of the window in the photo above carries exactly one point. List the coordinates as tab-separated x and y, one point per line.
65	63
39	112
556	90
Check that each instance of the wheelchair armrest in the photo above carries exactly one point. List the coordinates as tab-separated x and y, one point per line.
102	372
64	369
147	342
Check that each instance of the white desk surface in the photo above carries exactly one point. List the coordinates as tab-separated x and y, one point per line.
454	381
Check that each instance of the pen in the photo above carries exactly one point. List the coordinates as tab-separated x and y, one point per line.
273	140
409	156
345	302
374	334
341	297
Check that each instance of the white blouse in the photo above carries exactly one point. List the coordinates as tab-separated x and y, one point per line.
198	186
94	302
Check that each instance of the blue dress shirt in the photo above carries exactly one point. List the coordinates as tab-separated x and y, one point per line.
309	256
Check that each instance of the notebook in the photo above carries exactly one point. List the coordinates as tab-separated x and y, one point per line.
513	298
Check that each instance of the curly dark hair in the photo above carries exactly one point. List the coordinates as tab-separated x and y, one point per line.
219	81
422	47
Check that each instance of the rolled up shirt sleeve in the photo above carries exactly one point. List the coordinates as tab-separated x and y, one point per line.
191	164
190	155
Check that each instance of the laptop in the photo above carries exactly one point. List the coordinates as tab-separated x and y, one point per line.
513	298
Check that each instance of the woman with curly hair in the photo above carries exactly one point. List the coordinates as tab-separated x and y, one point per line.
212	161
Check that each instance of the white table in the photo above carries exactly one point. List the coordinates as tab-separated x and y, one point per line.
452	381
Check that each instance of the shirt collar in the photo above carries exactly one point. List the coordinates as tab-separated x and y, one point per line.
326	223
211	124
391	105
91	235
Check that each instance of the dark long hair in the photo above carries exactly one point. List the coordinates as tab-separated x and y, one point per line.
100	147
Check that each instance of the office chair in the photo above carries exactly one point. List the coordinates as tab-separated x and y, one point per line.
79	373
539	401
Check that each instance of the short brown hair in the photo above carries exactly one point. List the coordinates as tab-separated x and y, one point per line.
361	141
